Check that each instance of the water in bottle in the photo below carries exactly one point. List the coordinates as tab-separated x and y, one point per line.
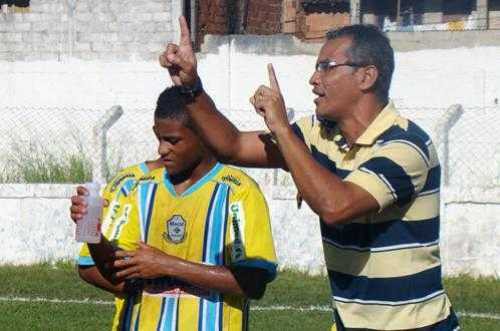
88	228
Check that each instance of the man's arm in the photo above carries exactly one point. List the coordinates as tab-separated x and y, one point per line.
328	196
251	149
92	275
103	253
148	262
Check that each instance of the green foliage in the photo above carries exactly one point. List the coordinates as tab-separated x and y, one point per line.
34	164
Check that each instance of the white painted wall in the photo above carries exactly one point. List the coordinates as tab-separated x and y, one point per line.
35	224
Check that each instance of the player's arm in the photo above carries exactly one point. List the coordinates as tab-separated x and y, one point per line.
93	276
230	145
103	253
148	262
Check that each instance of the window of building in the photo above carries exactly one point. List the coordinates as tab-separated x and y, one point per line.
456	10
16	6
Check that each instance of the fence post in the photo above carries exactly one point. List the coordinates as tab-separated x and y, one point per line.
100	130
442	129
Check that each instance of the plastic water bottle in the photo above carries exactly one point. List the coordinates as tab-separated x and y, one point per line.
88	228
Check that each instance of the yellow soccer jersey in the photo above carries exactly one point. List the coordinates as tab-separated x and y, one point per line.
223	219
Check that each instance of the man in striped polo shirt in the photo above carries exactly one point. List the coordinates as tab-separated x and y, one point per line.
372	176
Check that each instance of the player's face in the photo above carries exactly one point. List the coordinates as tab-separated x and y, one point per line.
180	149
335	87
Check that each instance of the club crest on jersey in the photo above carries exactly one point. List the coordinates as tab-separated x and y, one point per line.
176	230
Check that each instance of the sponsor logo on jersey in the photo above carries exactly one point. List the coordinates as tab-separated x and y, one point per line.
231	179
175	230
237	216
118	181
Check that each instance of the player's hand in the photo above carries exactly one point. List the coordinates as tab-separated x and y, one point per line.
180	59
78	204
268	102
146	262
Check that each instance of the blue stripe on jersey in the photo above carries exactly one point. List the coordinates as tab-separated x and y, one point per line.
162	313
168	315
146	197
392	291
210	311
433	181
127	187
127	314
144	168
137	320
86	261
327	163
150	211
393	175
384	236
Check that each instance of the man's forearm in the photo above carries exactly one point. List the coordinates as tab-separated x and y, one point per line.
103	255
92	276
320	188
215	128
217	278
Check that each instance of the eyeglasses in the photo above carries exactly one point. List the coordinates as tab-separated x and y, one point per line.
324	66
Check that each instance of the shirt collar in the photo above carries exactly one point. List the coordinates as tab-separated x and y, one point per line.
384	120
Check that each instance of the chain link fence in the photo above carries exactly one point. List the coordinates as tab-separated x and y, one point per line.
38	145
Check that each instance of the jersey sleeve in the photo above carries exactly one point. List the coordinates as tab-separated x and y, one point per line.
130	233
396	173
250	231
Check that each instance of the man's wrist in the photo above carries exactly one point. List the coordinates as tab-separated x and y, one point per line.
192	91
282	132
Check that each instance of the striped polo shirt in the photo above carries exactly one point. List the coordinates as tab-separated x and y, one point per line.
384	268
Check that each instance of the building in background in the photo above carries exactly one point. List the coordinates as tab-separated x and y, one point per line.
310	19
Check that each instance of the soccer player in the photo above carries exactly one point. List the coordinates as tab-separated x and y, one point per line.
198	240
115	213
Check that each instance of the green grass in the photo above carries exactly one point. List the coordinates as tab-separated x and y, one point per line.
60	281
35	165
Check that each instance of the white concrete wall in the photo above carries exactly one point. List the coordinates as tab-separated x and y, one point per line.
35	225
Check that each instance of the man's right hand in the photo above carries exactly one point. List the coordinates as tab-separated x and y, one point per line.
180	60
78	204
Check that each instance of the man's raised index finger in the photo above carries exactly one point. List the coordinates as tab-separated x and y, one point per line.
185	34
273	82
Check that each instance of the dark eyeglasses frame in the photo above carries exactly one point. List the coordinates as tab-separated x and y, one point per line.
324	66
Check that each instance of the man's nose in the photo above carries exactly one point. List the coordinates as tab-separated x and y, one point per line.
314	80
163	149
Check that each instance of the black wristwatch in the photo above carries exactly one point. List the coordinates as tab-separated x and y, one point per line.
190	92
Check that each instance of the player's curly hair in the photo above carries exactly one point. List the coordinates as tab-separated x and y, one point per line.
171	104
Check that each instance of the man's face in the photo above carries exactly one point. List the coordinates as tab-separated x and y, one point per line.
179	147
335	87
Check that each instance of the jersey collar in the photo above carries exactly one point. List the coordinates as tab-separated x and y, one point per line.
193	188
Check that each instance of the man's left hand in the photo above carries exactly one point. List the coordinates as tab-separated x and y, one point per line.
269	103
146	262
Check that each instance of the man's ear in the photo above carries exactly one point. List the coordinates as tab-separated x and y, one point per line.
368	77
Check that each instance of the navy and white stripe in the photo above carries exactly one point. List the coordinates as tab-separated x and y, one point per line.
394	291
383	236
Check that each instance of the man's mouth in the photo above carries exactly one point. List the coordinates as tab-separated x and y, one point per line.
320	96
